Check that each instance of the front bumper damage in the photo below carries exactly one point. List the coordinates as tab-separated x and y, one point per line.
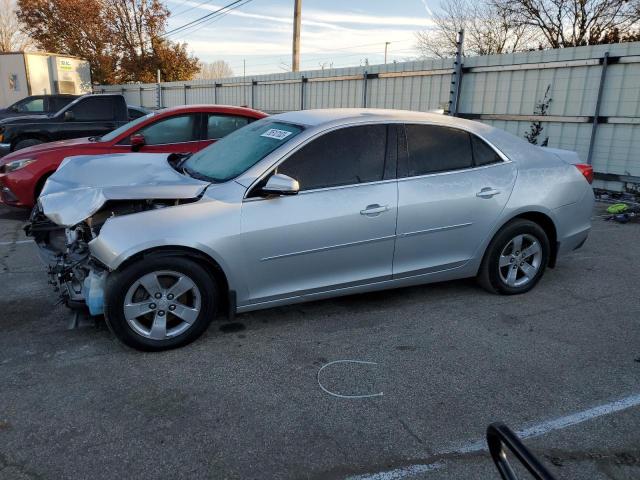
75	275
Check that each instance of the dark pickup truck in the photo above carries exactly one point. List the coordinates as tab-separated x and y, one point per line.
37	105
86	116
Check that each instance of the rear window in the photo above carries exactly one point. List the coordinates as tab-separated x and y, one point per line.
433	149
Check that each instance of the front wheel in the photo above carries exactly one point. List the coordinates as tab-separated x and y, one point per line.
160	302
515	259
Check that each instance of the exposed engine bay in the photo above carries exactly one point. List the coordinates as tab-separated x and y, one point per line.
79	278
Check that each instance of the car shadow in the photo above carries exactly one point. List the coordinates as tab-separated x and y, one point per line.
19	214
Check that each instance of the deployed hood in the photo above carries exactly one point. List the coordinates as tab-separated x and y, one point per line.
82	184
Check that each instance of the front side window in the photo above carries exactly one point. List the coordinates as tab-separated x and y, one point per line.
433	149
120	130
35	105
94	109
219	126
240	150
178	129
342	157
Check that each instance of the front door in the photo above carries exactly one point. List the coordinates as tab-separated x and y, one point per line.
453	188
338	231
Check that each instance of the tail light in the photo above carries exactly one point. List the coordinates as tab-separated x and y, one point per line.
586	170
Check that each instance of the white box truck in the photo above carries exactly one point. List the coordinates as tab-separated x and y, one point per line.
37	73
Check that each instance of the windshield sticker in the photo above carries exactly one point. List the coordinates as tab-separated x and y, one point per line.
275	133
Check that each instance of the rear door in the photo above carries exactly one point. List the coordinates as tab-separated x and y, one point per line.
452	189
339	230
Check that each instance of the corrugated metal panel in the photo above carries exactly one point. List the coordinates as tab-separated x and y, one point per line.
496	85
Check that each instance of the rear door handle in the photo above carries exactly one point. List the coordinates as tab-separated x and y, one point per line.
487	192
375	209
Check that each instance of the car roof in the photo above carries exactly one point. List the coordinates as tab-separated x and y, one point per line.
228	109
509	145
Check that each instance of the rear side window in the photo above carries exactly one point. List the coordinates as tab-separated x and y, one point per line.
483	154
433	149
219	126
58	103
93	109
342	157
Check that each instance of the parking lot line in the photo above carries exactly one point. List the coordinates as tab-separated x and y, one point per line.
16	242
529	432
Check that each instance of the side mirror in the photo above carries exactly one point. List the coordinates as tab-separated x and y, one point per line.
279	184
69	116
137	142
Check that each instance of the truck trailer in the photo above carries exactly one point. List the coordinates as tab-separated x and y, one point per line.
38	73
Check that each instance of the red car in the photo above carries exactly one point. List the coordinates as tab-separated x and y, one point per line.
172	130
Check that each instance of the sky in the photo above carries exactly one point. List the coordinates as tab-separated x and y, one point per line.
338	32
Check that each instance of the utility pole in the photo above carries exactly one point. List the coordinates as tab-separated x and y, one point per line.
244	80
297	14
386	44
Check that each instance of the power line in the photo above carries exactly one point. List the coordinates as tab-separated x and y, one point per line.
200	19
218	17
182	12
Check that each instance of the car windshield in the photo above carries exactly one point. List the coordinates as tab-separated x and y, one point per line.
119	131
240	150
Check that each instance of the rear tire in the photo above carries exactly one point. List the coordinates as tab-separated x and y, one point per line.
141	310
516	258
29	142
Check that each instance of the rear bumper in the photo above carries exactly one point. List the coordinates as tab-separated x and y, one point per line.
574	222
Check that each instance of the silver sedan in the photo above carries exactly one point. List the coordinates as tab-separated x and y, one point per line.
303	206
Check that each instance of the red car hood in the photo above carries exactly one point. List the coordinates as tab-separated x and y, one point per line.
46	147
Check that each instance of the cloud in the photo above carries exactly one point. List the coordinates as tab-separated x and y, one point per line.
426	7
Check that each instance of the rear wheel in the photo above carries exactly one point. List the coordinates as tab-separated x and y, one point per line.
160	302
28	142
515	259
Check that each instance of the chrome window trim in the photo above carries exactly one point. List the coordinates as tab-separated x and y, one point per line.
288	154
453	172
316	190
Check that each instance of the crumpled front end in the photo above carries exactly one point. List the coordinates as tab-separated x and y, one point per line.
78	277
74	272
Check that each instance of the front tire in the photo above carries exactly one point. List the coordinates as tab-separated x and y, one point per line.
160	302
515	259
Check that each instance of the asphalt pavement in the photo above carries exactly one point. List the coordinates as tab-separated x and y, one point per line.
278	394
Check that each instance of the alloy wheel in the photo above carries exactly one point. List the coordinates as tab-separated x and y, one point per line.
162	304
520	260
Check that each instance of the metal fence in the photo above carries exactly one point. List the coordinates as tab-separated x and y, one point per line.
594	91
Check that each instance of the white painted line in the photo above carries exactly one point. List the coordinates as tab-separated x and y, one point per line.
530	432
399	473
17	242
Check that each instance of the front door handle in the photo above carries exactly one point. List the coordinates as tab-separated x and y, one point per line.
487	192
375	209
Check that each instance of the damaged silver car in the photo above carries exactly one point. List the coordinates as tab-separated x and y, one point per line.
303	206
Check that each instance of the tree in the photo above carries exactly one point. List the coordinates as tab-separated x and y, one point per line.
571	23
137	28
12	39
488	30
214	70
122	39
